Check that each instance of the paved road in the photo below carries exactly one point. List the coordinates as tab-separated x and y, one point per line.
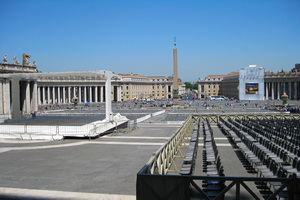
104	168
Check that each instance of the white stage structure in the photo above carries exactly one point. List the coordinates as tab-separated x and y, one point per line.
58	132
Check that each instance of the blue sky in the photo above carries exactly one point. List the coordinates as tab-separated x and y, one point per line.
213	37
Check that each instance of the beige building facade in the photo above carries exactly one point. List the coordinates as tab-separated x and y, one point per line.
209	86
138	87
229	85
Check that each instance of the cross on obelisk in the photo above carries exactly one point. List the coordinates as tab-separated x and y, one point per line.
175	76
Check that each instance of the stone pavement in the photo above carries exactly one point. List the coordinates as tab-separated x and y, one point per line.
104	168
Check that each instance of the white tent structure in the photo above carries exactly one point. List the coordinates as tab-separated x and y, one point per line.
58	132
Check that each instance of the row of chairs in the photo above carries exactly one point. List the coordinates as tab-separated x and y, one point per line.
189	160
266	163
288	126
278	154
272	142
280	131
288	160
241	140
211	163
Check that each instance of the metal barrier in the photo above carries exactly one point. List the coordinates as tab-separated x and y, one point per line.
215	118
55	132
162	159
172	187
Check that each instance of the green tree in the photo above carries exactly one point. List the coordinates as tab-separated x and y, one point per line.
195	86
188	85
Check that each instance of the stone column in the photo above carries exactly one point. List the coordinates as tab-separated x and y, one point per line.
74	92
43	93
96	94
34	99
53	95
15	87
278	90
6	102
272	90
64	94
85	100
108	110
39	95
58	95
69	94
90	94
119	93
27	98
267	90
48	95
101	93
79	94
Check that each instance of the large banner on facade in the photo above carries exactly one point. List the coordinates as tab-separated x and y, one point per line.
251	88
251	83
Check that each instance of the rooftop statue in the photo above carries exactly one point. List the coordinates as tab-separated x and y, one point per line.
26	58
15	61
34	63
5	59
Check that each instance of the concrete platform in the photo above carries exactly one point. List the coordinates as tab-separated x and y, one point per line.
49	130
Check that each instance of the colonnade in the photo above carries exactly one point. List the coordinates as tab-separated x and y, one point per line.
5	96
275	89
57	94
18	96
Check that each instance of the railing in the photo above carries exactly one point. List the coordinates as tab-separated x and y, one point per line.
141	119
170	187
215	118
162	159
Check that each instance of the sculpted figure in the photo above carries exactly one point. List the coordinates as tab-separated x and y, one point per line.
34	63
26	59
5	59
15	61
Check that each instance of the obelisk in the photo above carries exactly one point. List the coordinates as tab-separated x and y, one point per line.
175	76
